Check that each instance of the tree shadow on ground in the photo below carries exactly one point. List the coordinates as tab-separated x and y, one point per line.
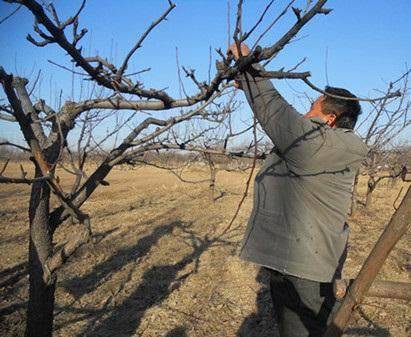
377	331
13	304
177	332
262	322
157	284
81	285
10	276
13	282
20	238
373	329
13	295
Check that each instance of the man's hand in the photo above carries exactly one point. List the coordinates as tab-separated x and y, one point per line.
234	50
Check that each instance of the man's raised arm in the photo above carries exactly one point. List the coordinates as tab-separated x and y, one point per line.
281	122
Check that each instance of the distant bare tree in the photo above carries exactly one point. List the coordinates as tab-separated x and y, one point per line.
384	124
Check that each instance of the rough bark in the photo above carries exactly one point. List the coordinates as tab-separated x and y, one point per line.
41	295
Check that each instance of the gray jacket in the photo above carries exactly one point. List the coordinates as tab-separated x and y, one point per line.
303	190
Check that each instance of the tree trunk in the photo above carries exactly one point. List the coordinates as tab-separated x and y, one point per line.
354	196
212	182
370	189
41	295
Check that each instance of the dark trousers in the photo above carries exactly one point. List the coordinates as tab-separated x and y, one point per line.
303	307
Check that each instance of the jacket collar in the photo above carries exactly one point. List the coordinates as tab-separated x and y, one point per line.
319	121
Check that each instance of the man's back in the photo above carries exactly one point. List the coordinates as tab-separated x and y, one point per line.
298	221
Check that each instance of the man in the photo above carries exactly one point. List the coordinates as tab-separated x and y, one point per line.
297	228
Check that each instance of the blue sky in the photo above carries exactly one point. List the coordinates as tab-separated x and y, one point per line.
363	44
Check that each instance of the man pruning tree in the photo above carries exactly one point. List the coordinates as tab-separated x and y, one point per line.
302	193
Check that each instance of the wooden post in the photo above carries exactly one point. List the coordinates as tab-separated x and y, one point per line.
395	229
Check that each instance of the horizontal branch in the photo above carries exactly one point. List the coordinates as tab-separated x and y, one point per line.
28	181
312	86
8	118
112	81
170	169
15	145
167	146
119	103
284	74
382	289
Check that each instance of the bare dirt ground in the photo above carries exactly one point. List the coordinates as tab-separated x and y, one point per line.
161	268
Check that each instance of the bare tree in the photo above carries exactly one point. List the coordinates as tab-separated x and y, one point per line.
46	129
380	129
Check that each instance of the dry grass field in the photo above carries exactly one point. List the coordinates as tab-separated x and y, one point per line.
160	266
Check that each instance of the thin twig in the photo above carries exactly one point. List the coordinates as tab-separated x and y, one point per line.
312	86
247	34
247	186
66	68
15	145
11	14
272	24
163	17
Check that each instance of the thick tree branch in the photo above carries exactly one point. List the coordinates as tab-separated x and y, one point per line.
118	155
20	86
95	73
119	103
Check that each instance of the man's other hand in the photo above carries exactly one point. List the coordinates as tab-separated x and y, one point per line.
234	50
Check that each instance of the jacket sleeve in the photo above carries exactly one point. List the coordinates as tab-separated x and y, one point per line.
294	137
